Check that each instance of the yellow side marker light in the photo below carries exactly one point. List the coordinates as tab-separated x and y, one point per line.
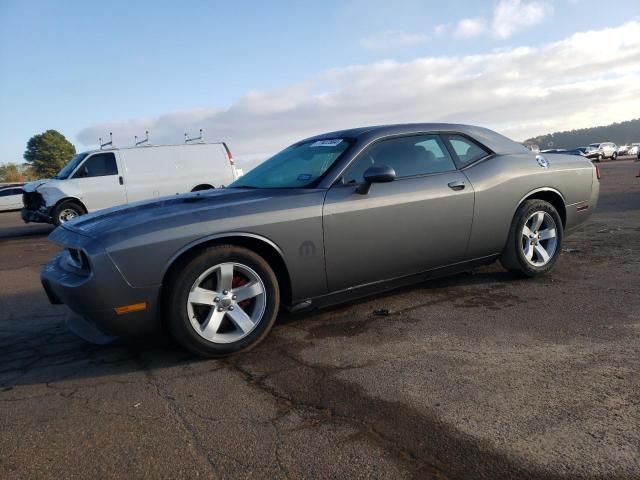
134	307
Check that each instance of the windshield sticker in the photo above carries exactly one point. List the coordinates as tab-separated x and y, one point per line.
327	143
304	176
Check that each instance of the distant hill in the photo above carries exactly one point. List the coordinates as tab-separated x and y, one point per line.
620	133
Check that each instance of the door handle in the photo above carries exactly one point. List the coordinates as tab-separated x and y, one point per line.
120	180
459	185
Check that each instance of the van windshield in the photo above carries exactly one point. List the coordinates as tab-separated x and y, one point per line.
70	167
297	166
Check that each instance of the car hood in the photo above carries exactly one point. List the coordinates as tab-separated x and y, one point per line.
170	212
33	186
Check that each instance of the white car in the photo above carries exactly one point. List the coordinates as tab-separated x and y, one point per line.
634	149
105	178
623	150
603	150
10	198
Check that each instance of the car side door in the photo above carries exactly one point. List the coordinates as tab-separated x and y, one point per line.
419	221
99	181
11	198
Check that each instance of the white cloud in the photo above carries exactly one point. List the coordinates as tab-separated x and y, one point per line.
393	40
470	27
511	16
441	29
520	92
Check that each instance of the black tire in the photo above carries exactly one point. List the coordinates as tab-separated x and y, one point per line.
614	156
188	271
599	157
513	257
61	213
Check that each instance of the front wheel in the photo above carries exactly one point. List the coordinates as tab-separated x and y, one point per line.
614	156
67	210
535	239
222	300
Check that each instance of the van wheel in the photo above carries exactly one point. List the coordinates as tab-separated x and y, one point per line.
223	300
66	211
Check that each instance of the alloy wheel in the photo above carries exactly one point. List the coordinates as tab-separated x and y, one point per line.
226	302
67	214
539	238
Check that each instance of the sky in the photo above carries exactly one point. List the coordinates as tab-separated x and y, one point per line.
261	75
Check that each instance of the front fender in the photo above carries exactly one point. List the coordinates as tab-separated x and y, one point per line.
53	192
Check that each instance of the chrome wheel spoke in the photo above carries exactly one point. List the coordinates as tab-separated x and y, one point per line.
211	324
248	292
526	232
528	251
225	277
202	296
547	234
240	318
538	218
542	253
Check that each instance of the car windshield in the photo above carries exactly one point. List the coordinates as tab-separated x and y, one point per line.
70	167
297	166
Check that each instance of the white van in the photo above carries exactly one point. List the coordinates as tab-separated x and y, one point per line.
105	178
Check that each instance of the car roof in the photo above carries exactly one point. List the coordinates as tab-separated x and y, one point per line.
494	141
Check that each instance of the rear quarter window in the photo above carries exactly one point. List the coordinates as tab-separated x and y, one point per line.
466	150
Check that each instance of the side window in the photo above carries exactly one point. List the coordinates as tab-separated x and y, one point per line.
466	150
98	165
10	191
408	156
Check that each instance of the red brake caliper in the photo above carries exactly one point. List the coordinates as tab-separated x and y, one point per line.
239	281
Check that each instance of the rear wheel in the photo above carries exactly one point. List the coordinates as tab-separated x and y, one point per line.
65	211
535	239
221	301
614	156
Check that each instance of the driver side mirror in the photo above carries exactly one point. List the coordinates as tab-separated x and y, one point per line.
376	174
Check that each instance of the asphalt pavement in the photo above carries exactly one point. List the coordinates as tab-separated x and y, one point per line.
480	375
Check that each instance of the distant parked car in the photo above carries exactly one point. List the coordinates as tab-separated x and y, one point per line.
106	178
602	151
634	149
623	150
10	198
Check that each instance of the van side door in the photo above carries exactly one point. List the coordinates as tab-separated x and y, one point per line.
99	181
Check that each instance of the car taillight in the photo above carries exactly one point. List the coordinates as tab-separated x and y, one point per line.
597	172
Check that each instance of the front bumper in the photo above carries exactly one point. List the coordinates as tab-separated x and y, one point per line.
40	216
96	294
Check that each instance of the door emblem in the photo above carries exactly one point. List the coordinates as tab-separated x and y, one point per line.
542	161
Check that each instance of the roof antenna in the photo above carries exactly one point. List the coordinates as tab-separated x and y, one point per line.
187	139
106	144
142	142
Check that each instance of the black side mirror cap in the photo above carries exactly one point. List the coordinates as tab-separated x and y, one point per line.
376	174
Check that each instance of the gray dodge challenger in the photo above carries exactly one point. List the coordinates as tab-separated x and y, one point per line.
329	219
